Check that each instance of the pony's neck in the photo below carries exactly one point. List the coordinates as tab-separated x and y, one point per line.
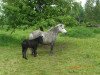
54	31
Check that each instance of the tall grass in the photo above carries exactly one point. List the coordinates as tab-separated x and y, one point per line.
73	56
97	30
8	39
82	32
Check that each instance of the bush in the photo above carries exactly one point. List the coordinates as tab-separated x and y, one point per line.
96	30
91	24
6	40
80	32
51	22
45	23
67	20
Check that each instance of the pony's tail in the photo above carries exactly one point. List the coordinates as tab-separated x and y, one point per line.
41	28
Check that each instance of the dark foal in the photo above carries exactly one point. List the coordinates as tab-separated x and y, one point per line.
31	44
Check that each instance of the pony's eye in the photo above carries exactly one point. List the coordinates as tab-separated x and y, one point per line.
61	25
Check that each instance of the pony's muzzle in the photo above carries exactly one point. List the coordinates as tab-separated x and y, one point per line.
64	31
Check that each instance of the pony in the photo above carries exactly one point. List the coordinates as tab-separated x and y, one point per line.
50	36
31	44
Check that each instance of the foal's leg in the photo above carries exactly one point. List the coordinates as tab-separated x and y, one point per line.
35	51
24	53
32	51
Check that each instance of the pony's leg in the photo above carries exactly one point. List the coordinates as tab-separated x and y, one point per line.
52	45
24	53
35	51
32	51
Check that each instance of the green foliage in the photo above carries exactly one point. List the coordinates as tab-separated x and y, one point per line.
67	20
92	11
45	23
51	22
5	40
72	56
97	30
97	11
18	13
77	12
91	24
80	32
42	22
26	13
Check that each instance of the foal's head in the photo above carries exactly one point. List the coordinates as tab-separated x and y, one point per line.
40	39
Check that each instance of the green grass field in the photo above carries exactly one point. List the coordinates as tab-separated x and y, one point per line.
77	55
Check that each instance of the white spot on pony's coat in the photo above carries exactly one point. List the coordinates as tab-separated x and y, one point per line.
42	35
31	36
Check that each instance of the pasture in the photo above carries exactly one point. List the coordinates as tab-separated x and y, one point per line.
77	53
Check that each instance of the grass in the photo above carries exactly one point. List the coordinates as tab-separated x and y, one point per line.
73	55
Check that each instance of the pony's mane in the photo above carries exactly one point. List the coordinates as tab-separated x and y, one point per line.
52	28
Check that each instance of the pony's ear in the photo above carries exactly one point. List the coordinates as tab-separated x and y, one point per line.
41	28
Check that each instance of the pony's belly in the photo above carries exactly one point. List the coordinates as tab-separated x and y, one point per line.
46	41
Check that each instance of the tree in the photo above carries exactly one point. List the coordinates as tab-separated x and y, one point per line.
89	6
97	11
77	11
18	13
92	12
25	13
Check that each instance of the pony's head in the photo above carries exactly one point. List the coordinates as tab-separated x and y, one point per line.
61	28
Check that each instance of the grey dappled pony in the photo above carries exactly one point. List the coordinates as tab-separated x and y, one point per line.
50	36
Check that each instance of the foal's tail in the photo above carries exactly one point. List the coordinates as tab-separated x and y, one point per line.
41	28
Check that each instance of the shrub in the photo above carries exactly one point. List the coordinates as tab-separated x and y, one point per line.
8	40
96	30
91	24
46	23
51	22
42	22
67	20
80	32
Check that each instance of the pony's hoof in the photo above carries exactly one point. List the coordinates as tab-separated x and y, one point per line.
25	58
32	53
51	54
35	55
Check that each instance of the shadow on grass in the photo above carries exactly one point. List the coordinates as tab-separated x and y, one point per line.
65	45
8	40
60	46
